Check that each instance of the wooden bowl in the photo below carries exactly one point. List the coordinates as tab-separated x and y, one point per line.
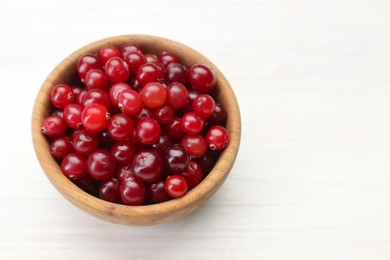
148	214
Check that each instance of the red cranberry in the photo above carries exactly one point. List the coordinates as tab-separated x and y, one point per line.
207	161
80	96
131	47
176	72
132	192
145	112
163	143
109	190
95	79
94	118
123	152
96	96
219	115
177	95
74	166
129	102
168	58
108	52
156	191
148	131
85	142
124	172
149	72
153	95
176	159
203	105
87	184
195	145
120	127
134	61
100	165
202	78
191	123
193	174
217	138
147	165
54	126
174	129
176	186
164	115
115	90
72	115
61	96
86	63
61	147
116	70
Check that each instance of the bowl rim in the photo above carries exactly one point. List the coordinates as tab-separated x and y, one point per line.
143	214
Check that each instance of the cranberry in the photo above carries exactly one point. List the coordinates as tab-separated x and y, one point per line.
176	186
105	140
217	138
74	166
191	123
95	79
145	112
131	47
207	161
168	58
149	72
94	118
100	165
174	129
148	131
61	96
108	52
156	191
124	172
61	147
134	61
85	142
54	126
129	102
195	145
87	184
176	159
177	95
192	94
120	127
109	190
202	78
72	115
163	143
164	115
132	192
80	96
86	63
176	72
193	174
153	95
219	115
123	152
116	70
96	96
203	105
115	90
147	165
151	58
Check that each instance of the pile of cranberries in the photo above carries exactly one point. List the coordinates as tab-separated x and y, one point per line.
136	128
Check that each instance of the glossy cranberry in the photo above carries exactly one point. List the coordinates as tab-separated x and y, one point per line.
61	96
58	112
174	129
116	70
129	102
176	159
163	143
191	123
131	47
84	142
87	184
177	95
96	96
207	161
80	96
176	72
176	186
95	79
217	138
145	112
120	127
168	58
132	192
61	147
72	115
148	131
123	152
94	118
86	63
193	174
109	190
149	72
76	90
124	172
151	58
108	52
161	69
164	115
100	165
147	165
156	191
105	140
192	94
153	95
115	90
74	166
54	126
195	145
203	105
219	115
134	61
202	78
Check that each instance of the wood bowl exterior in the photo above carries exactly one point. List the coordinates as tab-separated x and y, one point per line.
148	214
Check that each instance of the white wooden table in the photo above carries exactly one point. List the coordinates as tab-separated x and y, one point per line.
312	179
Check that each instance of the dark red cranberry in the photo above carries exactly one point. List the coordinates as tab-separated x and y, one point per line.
87	184
207	161
54	126
132	192
124	172
108	52
195	145
95	79
123	152
193	174
72	115
147	165
109	190
116	70
134	61
86	63
61	147
96	96
164	115
145	112
74	166
219	115
168	58
176	72
202	78
148	131
176	159
217	138
163	143
120	127
177	95
100	165
84	142
94	118
156	191
174	129
176	186
105	140
61	96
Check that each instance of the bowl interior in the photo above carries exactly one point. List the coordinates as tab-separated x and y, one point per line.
65	72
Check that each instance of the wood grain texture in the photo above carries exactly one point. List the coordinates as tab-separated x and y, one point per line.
136	215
